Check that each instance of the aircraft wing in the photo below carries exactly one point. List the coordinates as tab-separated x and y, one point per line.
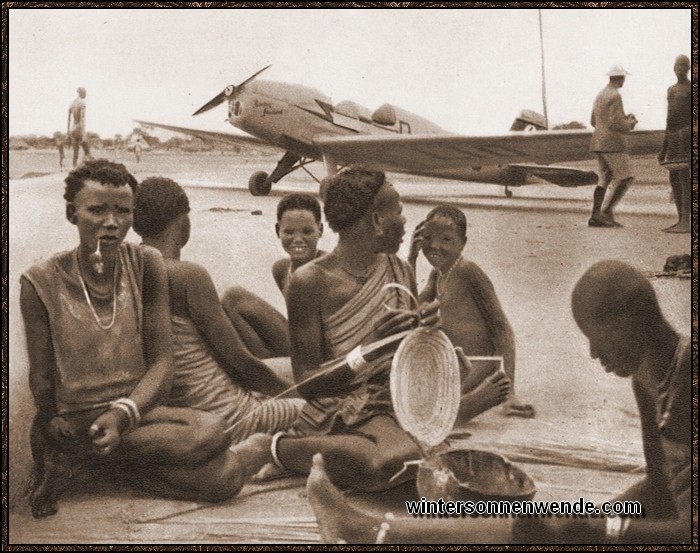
458	157
556	174
226	138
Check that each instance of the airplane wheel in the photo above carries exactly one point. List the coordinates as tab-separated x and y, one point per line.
509	193
258	184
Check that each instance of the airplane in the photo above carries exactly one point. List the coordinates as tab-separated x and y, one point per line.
306	124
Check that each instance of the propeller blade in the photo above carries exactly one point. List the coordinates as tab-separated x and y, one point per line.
252	77
227	93
215	101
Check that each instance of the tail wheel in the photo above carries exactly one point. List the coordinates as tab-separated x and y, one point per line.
258	184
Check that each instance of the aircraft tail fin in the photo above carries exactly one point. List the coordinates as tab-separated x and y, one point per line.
528	120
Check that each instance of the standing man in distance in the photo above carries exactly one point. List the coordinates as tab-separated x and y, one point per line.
138	149
608	143
77	133
675	152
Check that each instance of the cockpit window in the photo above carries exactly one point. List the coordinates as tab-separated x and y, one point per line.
237	108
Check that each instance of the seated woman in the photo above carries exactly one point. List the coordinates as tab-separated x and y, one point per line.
100	360
472	316
214	370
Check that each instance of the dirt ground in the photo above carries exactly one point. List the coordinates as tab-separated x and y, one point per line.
584	440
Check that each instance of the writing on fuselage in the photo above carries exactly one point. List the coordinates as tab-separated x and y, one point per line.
268	108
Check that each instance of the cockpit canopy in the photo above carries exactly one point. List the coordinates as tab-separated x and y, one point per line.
354	110
385	115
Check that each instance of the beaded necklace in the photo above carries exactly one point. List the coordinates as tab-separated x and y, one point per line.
441	280
89	301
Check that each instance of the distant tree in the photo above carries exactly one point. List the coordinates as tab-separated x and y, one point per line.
152	141
39	142
18	143
569	126
196	145
94	140
174	143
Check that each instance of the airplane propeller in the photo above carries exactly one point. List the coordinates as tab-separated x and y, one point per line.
226	93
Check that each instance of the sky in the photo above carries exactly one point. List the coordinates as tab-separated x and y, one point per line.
468	70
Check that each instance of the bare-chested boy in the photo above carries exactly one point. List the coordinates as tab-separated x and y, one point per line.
261	326
472	316
299	228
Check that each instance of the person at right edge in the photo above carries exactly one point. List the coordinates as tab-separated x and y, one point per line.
608	142
675	152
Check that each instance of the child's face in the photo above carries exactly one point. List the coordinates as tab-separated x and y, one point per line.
299	232
102	213
441	243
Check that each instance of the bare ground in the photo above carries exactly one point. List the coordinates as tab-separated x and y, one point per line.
584	441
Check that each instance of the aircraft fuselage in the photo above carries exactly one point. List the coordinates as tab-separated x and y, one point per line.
291	116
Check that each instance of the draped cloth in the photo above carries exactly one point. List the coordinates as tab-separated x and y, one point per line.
200	383
354	324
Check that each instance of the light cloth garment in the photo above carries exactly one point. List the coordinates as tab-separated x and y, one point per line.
201	383
351	325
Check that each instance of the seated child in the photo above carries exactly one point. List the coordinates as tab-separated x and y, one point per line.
261	326
299	228
472	316
214	370
100	360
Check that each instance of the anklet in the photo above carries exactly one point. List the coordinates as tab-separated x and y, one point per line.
273	449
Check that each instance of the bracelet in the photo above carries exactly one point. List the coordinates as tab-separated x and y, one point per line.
125	409
128	406
355	360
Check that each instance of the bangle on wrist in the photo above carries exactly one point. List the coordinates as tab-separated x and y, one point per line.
125	410
355	360
129	407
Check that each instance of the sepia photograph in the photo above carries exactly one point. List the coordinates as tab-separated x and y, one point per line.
354	275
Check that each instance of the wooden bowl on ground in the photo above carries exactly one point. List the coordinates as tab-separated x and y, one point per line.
473	475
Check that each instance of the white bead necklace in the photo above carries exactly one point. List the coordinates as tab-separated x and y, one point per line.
89	301
442	278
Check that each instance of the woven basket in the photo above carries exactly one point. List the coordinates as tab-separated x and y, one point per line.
425	385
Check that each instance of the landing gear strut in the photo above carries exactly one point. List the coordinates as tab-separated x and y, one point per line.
260	183
509	193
